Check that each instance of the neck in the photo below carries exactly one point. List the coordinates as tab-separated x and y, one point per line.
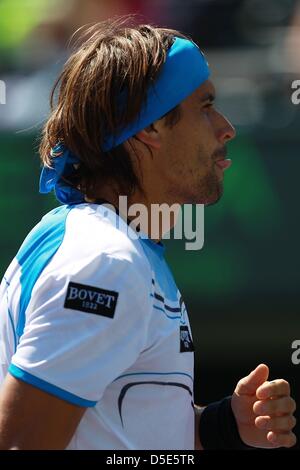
153	215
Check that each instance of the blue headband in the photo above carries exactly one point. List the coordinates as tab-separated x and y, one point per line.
184	70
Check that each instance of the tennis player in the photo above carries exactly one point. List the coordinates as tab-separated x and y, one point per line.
96	345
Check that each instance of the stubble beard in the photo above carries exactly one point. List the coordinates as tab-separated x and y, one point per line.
210	187
208	190
211	190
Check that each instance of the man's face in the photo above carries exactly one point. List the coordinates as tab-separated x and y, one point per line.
193	152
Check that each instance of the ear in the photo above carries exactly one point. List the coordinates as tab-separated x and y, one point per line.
150	136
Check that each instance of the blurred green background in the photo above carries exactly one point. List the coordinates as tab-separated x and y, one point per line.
242	288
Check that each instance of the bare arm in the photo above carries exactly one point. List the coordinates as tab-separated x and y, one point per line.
33	419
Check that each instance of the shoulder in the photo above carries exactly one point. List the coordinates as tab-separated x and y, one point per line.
97	237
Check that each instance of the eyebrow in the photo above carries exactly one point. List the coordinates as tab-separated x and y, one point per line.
208	97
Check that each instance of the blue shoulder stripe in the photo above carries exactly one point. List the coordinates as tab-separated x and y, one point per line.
36	252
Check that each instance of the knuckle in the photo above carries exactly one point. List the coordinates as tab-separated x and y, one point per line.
293	439
290	440
287	439
284	424
285	385
242	383
285	405
257	407
292	405
293	422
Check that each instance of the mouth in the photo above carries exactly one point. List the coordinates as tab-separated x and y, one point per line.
223	163
220	159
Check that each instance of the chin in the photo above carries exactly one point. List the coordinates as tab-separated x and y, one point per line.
212	196
212	201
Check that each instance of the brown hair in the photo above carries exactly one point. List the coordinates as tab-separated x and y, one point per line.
114	55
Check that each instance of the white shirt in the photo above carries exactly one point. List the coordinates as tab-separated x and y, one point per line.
89	312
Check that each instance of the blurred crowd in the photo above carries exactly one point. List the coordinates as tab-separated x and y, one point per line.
252	46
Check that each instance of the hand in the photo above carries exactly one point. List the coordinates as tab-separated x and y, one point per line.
264	410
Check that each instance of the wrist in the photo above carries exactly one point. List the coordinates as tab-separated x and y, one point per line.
218	428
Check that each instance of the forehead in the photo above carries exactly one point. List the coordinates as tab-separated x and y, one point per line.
206	89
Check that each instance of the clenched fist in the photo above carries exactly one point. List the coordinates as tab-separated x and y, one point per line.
264	410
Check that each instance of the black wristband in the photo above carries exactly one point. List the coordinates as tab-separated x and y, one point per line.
218	429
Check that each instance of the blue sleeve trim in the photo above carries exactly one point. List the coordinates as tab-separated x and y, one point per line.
49	388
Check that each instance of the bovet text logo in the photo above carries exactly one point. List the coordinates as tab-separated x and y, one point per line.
91	299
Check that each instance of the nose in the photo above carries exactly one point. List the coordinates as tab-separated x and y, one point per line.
225	130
